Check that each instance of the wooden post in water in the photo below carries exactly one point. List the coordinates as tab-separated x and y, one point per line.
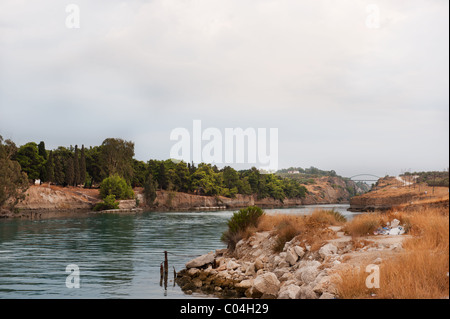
166	269
161	271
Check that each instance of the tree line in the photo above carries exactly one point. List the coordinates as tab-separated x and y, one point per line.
88	167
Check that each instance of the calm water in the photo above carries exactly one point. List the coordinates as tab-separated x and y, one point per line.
118	256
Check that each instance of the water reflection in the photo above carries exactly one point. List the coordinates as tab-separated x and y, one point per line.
119	256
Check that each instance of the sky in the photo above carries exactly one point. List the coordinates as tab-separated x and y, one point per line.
351	86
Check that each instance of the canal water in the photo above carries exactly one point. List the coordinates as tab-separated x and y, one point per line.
117	255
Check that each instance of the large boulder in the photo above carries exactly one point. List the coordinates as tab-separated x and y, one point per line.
289	292
327	250
267	284
299	251
291	256
308	272
306	292
201	261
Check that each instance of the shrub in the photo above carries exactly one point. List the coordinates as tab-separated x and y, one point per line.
108	203
117	186
239	222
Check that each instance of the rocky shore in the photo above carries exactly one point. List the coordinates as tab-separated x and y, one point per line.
300	271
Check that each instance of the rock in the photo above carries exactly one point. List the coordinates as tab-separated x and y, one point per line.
250	271
291	256
252	293
193	271
327	250
267	284
327	295
231	265
299	251
306	292
323	285
259	264
197	282
289	292
245	284
308	273
280	272
201	261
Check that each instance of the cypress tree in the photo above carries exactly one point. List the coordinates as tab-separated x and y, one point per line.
70	174
83	166
162	176
76	167
59	171
50	168
41	150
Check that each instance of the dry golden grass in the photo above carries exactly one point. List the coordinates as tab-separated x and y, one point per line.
311	228
420	271
366	224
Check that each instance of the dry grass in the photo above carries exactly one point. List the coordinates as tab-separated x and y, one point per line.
366	224
420	271
312	228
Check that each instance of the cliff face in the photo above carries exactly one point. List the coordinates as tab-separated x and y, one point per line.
47	198
181	201
391	192
330	190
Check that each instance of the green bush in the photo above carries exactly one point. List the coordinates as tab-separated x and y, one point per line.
239	222
117	186
108	203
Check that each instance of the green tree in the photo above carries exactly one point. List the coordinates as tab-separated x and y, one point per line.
140	170
50	168
69	176
93	164
109	202
41	150
116	157
59	171
29	159
117	186
150	187
83	165
13	182
163	179
76	167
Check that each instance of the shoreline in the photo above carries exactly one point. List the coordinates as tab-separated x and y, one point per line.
34	214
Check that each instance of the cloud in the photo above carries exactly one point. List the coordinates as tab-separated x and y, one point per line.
138	69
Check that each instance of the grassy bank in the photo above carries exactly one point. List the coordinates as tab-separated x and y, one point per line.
420	271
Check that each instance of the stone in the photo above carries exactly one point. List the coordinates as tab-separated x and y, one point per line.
306	292
267	284
250	271
291	256
193	271
327	295
201	261
299	251
289	292
259	264
327	250
232	265
197	282
245	284
308	273
323	284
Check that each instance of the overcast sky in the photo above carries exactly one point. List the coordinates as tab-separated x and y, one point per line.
344	94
